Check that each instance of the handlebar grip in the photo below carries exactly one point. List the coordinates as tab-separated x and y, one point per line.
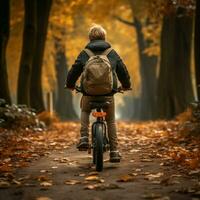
121	89
78	89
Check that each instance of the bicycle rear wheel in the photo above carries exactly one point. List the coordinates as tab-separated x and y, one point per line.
93	144
98	149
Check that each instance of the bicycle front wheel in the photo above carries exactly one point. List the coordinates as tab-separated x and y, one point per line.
98	150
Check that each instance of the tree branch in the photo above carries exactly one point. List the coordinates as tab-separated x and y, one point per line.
124	21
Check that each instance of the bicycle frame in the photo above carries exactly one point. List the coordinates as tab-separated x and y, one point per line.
100	142
101	120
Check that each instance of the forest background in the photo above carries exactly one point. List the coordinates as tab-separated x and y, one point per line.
157	39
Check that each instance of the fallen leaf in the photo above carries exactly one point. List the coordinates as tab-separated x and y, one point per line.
4	184
72	182
126	178
42	178
146	160
108	186
43	198
138	170
46	184
176	175
153	176
134	150
92	178
93	173
5	168
194	172
82	175
43	171
30	184
16	182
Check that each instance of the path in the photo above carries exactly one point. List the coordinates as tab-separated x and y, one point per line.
144	173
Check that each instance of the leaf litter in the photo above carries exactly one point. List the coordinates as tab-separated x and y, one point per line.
162	139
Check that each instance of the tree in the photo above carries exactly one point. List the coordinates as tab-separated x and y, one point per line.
174	83
197	48
148	66
4	36
36	96
64	106
28	49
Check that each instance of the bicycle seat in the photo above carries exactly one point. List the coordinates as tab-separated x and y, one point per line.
99	104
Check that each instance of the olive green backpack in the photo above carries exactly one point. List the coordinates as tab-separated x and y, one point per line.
97	77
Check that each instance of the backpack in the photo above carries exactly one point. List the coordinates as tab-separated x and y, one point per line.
97	77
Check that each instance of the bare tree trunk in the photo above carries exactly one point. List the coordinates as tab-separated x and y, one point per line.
145	108
148	65
36	96
4	36
197	48
64	105
174	84
29	39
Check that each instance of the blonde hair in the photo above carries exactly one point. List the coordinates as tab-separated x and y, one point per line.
97	32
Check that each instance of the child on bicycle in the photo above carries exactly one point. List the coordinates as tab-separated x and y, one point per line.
98	46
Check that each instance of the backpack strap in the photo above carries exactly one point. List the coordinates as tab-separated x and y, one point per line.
107	51
89	52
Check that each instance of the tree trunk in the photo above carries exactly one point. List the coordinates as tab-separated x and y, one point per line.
36	96
29	37
197	48
148	65
4	35
64	105
174	84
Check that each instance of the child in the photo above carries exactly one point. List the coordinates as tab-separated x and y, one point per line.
99	46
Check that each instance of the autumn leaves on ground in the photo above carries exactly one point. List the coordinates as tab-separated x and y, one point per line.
160	161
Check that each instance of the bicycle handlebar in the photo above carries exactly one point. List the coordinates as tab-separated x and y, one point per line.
118	90
78	89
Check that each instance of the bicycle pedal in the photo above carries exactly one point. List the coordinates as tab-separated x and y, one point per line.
89	151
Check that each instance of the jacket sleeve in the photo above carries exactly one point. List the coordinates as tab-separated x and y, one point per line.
122	73
76	70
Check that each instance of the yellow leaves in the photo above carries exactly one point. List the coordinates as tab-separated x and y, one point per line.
63	21
26	145
47	117
185	116
92	178
164	139
189	159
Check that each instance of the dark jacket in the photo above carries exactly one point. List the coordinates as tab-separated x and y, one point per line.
97	47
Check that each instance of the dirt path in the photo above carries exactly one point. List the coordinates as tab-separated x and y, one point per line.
59	167
69	175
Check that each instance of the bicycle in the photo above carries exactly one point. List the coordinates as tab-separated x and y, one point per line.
99	138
